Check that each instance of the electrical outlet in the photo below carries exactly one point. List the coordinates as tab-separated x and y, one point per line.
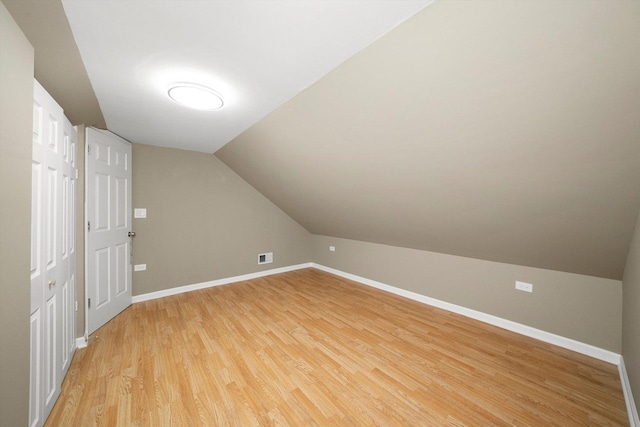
332	248
140	213
140	267
523	286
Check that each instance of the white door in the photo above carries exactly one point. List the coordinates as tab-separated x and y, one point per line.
52	225
70	203
108	198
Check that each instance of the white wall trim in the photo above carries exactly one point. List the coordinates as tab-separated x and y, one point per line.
218	282
81	342
634	421
587	349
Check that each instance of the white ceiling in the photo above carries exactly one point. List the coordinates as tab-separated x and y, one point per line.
257	54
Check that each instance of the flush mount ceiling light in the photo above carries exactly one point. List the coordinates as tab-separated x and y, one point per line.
195	96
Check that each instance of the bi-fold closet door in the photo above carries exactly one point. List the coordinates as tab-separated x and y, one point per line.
53	253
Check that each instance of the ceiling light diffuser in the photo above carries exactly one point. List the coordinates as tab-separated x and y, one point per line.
195	96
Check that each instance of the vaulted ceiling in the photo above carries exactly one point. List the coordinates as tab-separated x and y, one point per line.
255	54
500	130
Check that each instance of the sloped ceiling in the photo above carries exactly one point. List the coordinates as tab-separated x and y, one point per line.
499	130
257	54
58	65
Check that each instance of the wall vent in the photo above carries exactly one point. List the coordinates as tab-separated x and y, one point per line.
265	258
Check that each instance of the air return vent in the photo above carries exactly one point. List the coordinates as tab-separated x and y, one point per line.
265	258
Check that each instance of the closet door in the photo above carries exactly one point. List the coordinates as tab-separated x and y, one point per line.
51	216
69	183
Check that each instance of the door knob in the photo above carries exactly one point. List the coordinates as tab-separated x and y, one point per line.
132	234
52	283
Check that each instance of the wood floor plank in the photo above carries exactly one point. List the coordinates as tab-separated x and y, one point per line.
310	348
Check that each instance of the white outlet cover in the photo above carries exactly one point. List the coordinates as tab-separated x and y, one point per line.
140	213
140	267
523	286
332	248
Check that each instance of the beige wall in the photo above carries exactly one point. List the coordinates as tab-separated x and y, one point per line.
583	308
203	222
59	68
631	315
16	117
498	130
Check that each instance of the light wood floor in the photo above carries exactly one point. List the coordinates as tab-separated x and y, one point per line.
308	348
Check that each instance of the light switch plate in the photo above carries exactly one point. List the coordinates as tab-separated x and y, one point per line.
140	267
139	213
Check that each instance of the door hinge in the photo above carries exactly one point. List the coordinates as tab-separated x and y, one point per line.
89	303
88	225
88	148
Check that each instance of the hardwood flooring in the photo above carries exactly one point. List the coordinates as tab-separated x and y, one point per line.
307	348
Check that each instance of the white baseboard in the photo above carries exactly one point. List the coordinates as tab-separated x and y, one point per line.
560	341
219	282
634	421
587	349
81	342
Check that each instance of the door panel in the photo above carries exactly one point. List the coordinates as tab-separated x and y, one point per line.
121	267
72	132
102	268
121	197
54	269
36	229
64	300
70	138
50	350
109	215
36	390
73	206
102	201
53	199
65	215
52	218
35	383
